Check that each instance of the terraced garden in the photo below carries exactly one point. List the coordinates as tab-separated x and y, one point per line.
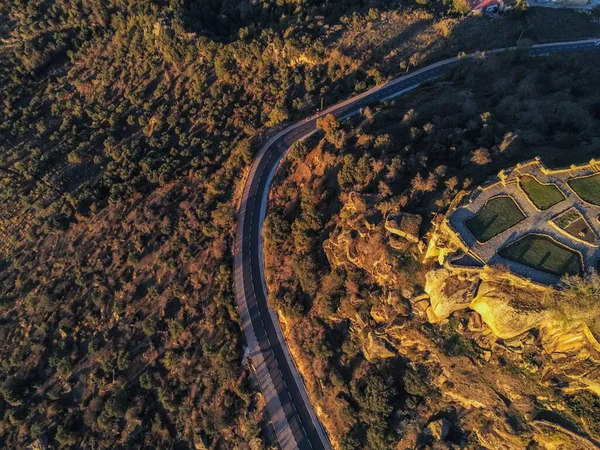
541	223
543	196
574	224
542	253
499	214
588	188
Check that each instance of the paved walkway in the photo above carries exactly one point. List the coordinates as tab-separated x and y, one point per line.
535	221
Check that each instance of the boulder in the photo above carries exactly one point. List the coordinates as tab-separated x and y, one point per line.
508	318
397	243
475	323
375	348
382	313
438	429
449	292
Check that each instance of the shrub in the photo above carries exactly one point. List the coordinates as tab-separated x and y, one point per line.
146	381
149	326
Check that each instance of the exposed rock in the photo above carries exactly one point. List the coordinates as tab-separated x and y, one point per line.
438	429
360	242
199	443
383	313
40	443
562	342
494	437
507	318
421	307
511	326
449	293
475	322
375	348
409	436
405	225
398	243
439	246
551	436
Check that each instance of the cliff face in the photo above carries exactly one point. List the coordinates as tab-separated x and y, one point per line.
497	349
506	309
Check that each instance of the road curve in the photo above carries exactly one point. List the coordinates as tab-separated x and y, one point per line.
294	420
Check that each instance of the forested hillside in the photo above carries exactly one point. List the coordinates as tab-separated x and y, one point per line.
351	293
126	128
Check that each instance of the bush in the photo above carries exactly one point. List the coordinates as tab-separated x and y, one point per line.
64	437
298	150
11	393
579	298
461	7
416	381
146	381
149	326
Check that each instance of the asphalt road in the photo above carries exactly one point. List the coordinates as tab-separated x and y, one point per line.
291	413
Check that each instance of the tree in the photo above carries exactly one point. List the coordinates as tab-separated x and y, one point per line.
481	156
383	142
521	8
123	360
420	184
579	298
10	393
64	437
306	271
452	183
149	326
373	14
333	130
278	115
298	150
461	7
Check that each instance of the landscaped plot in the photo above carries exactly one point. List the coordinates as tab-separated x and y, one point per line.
498	215
588	188
542	253
574	224
543	196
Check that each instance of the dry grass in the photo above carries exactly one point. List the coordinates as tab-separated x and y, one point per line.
398	36
403	39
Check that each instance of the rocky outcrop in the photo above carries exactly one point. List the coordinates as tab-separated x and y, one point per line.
449	292
552	436
361	239
507	318
437	430
508	352
405	225
508	309
496	436
375	347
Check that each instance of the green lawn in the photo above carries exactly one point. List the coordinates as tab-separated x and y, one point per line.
542	253
587	188
543	196
498	215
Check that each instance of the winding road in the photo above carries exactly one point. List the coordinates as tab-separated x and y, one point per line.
293	417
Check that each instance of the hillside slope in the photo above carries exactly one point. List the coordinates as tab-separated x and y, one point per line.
347	274
126	128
